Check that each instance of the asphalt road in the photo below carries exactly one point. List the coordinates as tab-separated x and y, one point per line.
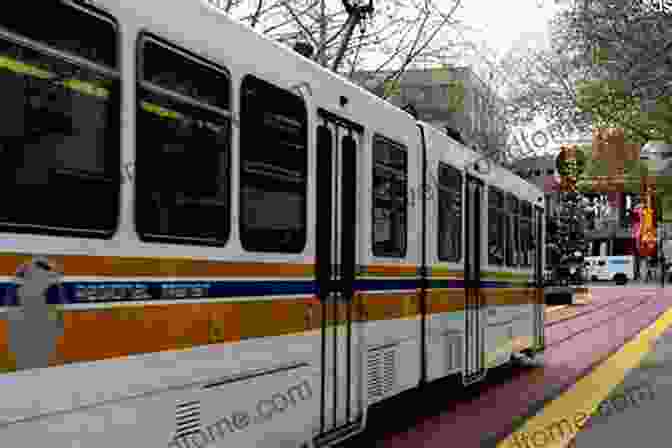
444	414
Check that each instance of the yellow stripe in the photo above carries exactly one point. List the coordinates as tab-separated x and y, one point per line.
160	111
22	68
584	397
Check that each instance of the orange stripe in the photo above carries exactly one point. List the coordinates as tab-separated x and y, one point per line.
445	300
386	306
509	296
91	335
123	331
437	272
389	269
87	265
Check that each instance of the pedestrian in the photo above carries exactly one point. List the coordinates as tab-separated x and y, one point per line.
650	269
662	270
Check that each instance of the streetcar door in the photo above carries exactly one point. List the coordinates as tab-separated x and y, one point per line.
342	405
539	280
474	341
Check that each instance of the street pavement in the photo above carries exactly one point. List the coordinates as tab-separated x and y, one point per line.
635	412
484	414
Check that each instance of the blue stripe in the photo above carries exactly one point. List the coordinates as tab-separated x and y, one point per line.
203	289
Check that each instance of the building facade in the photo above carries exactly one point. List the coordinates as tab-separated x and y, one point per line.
452	97
541	172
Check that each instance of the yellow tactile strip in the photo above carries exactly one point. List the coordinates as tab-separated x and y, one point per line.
559	421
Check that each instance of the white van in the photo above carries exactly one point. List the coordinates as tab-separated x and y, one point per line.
619	268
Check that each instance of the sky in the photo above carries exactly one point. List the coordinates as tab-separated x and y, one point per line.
514	25
503	25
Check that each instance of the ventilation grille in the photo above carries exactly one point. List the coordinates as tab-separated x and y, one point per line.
382	373
453	344
188	418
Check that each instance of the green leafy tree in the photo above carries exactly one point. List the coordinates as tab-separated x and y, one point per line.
611	105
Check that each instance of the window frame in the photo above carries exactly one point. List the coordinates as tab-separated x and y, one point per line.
440	231
142	84
526	245
401	254
512	213
115	74
499	210
305	209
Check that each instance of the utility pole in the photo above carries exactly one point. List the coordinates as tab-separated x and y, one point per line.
356	12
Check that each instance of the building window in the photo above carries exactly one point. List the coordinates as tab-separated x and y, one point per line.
496	226
273	176
390	174
450	213
59	138
183	140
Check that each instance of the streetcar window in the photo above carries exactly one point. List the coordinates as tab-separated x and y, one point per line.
60	127
70	24
183	147
526	234
450	213
273	142
496	226
390	175
512	232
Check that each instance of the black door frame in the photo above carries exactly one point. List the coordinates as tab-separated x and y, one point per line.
474	301
336	251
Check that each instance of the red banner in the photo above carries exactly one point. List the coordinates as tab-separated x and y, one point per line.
647	233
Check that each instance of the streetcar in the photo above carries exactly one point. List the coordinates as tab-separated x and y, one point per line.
206	238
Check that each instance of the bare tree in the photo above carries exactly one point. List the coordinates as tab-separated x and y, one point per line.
376	49
344	34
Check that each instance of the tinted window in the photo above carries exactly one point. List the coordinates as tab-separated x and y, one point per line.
170	69
182	162
68	29
450	213
273	174
496	226
59	135
526	234
390	174
512	232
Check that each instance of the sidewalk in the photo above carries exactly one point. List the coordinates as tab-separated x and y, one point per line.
637	407
631	283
